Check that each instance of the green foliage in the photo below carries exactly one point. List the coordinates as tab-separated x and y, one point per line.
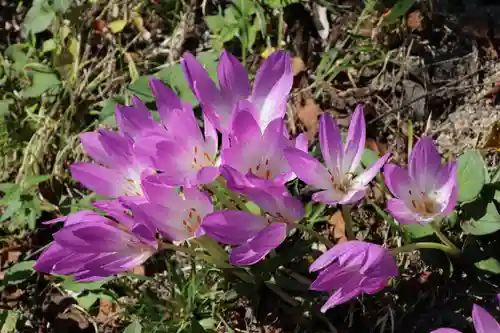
482	218
491	265
471	175
134	327
18	273
41	14
398	10
417	231
23	205
8	321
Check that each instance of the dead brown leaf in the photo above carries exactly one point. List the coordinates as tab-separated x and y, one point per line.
298	65
415	20
337	229
308	114
107	310
139	270
493	140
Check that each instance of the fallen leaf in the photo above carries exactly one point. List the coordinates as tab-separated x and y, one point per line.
99	26
139	270
117	26
298	65
493	140
308	115
414	94
337	230
415	20
107	308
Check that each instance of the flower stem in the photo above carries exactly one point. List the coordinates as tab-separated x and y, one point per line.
424	245
221	196
315	234
346	213
443	238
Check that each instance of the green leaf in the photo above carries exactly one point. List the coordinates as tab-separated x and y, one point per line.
416	231
398	10
369	158
253	208
215	23
19	272
86	301
49	45
17	53
141	89
4	107
42	82
471	175
279	3
107	113
13	207
35	180
491	265
133	327
245	7
481	224
78	287
8	321
117	26
61	5
38	19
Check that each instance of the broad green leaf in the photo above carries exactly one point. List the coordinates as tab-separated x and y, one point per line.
141	89
38	19
107	113
491	265
215	23
471	175
13	207
82	286
19	272
245	7
4	107
49	45
133	327
482	225
117	26
416	231
35	180
86	301
398	10
279	3
208	323
61	5
41	83
369	158
17	53
8	321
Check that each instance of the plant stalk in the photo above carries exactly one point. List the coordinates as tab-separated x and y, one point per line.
424	245
346	213
443	238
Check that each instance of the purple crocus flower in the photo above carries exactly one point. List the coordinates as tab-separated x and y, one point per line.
183	154
338	181
270	90
177	215
259	154
120	171
483	322
91	247
426	190
352	268
255	235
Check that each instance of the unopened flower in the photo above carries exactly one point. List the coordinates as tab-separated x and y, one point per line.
91	247
255	235
339	181
184	155
260	154
176	214
426	190
352	268
482	320
270	90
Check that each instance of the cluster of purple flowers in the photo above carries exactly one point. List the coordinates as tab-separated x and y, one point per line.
156	174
